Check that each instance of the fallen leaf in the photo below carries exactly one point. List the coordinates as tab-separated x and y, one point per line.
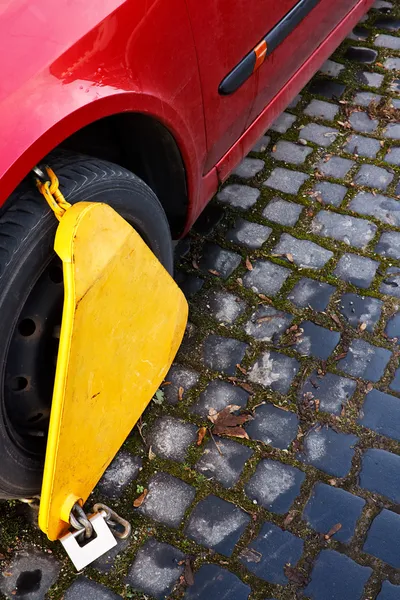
140	499
195	264
340	356
289	256
180	393
274	148
152	454
369	387
227	423
188	572
166	383
362	326
251	555
241	369
266	319
265	298
332	531
379	64
200	435
294	575
288	519
249	266
336	319
213	272
159	397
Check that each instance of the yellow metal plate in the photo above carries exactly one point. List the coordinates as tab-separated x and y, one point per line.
123	321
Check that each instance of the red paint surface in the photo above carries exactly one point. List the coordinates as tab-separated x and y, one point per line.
69	63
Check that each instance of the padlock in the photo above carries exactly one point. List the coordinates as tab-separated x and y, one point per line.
82	556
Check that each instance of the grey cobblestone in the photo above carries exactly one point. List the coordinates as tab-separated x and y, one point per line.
382	538
286	181
282	211
123	470
392	329
167	500
361	54
274	370
223	461
29	575
379	473
179	377
275	485
170	438
389	591
267	323
217	395
335	166
156	569
246	233
276	549
365	98
392	64
239	196
291	153
371	79
262	144
223	306
332	68
365	360
350	230
395	384
362	122
332	391
360	309
316	340
249	167
222	262
324	110
392	131
330	193
362	146
387	41
311	293
319	134
393	157
214	583
381	413
373	176
266	278
329	505
383	208
336	576
89	590
329	451
283	122
355	269
391	284
389	244
305	253
327	88
217	524
273	426
223	354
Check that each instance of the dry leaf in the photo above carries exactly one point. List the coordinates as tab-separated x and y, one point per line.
251	555
369	387
180	393
289	257
195	264
241	369
288	519
362	326
249	266
336	319
227	423
332	531
340	356
213	272
152	455
140	499
200	435
265	298
188	572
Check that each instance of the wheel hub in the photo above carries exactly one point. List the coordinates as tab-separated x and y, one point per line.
31	360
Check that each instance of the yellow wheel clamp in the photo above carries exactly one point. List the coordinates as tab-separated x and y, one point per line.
123	321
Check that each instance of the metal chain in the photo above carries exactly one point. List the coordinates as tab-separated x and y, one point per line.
80	522
48	186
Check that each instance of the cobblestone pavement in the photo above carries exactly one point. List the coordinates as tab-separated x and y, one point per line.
293	275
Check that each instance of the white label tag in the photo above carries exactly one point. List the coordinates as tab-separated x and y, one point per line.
82	556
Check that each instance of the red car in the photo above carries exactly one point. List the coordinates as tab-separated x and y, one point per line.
145	105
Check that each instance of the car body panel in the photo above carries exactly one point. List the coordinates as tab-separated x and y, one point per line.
73	63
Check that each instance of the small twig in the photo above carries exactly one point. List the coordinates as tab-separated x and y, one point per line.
213	439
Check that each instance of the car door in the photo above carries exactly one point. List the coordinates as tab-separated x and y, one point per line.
225	32
294	39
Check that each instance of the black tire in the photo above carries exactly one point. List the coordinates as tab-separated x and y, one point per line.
27	229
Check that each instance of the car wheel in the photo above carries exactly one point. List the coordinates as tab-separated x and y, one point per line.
31	298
